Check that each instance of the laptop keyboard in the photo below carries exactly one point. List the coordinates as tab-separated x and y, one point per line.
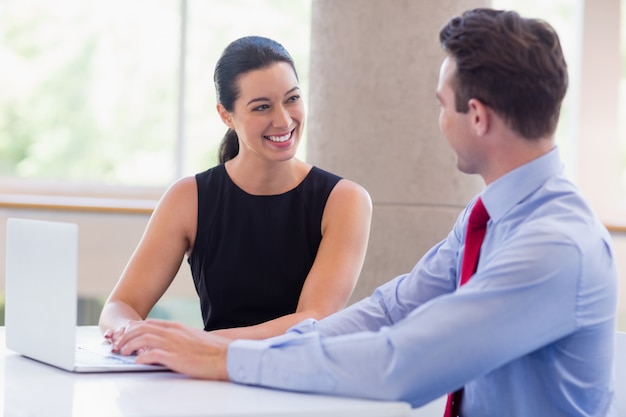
100	355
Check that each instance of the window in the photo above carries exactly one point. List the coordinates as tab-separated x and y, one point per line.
116	99
121	93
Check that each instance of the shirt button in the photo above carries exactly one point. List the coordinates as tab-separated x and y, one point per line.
241	374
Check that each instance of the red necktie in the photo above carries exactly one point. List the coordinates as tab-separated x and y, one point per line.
476	228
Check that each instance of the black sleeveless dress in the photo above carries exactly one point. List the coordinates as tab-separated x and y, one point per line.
252	253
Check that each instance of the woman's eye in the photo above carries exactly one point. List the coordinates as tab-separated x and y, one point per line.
293	98
261	107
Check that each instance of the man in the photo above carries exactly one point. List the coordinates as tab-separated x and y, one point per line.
530	334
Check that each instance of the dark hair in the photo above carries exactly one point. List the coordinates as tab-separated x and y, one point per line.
241	56
512	64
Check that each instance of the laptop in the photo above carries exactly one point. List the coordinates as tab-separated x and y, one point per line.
41	300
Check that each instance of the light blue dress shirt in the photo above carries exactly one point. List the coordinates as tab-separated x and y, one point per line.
531	334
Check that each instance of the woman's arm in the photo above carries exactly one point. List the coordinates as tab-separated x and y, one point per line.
154	264
331	280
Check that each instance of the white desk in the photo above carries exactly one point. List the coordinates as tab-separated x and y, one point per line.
30	388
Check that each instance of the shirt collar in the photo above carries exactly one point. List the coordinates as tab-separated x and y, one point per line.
507	191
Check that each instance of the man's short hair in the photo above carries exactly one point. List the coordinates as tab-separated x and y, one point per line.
511	64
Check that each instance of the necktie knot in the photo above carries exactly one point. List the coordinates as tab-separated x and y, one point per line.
479	216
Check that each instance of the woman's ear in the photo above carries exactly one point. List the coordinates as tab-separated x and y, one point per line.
479	117
225	116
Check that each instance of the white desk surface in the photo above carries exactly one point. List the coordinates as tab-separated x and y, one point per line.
30	388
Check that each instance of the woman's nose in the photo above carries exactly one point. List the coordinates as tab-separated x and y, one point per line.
282	118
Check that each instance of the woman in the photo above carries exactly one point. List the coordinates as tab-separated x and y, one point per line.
270	239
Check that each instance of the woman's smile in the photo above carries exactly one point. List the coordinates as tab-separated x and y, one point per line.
281	138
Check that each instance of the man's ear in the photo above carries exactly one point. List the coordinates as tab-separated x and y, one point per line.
479	117
225	116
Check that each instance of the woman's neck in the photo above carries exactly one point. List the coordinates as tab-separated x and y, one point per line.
267	177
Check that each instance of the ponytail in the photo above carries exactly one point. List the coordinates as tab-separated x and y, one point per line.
229	147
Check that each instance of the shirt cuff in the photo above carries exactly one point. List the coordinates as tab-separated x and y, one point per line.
305	326
243	359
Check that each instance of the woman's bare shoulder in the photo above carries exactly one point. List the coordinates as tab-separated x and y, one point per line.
349	190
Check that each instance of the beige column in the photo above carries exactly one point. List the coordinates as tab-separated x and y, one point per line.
373	118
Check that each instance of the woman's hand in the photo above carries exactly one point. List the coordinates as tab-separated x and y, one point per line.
181	348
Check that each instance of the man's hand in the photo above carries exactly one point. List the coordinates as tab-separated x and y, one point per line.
181	348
